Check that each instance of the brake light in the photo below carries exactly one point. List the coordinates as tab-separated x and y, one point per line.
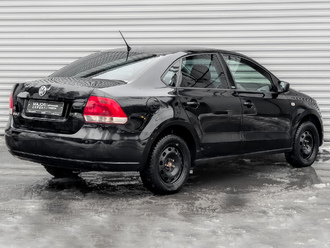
11	104
104	110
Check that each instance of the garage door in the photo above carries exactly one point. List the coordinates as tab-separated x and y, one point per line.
290	37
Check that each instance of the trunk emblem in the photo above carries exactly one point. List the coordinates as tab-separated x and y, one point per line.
42	90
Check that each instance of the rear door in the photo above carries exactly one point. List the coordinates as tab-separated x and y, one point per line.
212	107
266	113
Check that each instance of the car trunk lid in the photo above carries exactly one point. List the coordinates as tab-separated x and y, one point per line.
54	104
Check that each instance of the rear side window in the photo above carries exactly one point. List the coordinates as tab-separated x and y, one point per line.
171	75
202	71
247	75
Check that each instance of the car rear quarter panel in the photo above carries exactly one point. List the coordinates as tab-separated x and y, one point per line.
152	117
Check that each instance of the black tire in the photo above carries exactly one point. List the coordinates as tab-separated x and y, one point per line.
305	146
168	167
60	172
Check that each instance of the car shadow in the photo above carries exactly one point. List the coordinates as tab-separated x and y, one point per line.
246	175
101	183
232	177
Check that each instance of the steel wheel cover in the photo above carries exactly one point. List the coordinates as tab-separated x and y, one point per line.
306	143
170	164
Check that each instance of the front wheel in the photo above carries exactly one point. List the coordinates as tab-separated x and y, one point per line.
168	167
60	172
305	146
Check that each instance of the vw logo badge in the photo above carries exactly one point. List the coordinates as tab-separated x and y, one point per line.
42	90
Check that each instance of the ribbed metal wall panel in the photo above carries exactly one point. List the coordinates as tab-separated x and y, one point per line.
290	37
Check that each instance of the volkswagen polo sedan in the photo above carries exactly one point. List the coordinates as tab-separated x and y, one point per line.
159	111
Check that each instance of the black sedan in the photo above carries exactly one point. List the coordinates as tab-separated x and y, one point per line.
159	111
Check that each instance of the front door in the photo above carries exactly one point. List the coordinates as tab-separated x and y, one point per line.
266	118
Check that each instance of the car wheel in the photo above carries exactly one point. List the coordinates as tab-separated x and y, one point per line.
305	146
168	166
60	172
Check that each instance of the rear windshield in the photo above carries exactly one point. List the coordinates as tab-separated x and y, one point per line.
98	64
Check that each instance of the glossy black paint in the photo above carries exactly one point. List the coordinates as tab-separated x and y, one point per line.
216	117
215	123
266	121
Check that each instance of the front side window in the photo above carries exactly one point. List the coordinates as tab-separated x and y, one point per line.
202	71
247	75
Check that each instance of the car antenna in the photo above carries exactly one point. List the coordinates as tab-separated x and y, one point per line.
128	47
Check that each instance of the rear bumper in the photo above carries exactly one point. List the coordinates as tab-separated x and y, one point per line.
89	149
75	164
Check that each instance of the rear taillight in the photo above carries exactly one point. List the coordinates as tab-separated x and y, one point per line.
104	110
11	104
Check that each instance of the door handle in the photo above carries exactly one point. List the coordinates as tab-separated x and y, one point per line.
248	103
192	103
225	112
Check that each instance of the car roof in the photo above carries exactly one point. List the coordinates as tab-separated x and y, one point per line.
164	50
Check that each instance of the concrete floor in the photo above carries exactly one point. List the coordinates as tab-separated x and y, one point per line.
255	202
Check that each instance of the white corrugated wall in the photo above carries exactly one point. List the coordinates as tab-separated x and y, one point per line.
290	37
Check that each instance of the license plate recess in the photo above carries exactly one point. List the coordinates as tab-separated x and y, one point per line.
45	107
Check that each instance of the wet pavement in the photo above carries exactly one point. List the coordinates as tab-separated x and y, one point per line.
255	202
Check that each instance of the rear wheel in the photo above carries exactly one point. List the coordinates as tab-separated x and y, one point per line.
60	172
305	146
168	166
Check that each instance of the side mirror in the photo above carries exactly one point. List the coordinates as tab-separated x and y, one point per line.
284	87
